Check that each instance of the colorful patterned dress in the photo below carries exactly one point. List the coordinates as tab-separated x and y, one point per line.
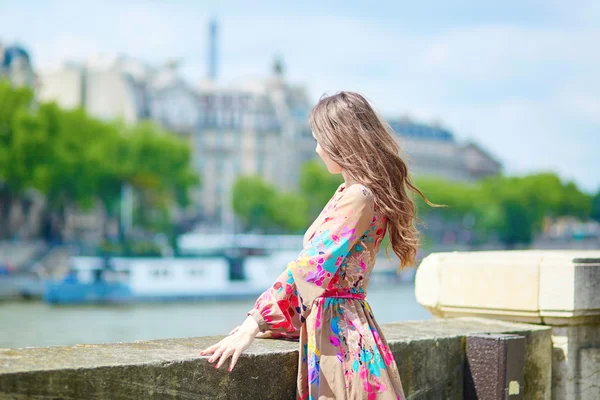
320	300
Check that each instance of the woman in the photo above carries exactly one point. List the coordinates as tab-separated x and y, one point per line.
320	298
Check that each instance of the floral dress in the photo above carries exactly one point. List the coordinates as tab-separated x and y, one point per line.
320	300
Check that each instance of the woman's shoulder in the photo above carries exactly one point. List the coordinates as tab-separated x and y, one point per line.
358	192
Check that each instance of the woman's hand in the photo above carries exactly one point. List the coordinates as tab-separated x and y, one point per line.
239	339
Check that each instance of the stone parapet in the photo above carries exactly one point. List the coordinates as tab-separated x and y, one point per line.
556	288
430	356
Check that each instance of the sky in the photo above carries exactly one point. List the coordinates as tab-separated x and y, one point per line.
518	77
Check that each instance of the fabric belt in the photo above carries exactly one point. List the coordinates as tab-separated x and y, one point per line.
342	295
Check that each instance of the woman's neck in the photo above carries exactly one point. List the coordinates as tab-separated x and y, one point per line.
348	180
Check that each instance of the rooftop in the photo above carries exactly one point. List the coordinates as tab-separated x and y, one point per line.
408	127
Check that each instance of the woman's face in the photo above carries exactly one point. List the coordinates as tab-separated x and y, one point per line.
331	165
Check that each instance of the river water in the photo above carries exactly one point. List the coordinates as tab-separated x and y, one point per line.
37	324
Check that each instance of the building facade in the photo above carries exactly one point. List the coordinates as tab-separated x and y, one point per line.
432	150
107	88
257	127
250	127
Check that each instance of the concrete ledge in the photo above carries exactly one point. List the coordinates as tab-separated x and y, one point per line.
430	356
553	287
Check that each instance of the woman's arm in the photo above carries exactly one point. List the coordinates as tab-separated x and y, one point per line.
283	308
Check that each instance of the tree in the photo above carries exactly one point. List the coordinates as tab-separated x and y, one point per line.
158	165
595	211
252	202
13	102
317	185
460	197
261	206
521	203
289	211
574	202
512	208
76	160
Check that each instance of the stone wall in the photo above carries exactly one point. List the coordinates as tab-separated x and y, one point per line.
554	288
430	356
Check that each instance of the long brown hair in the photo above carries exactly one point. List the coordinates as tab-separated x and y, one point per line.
363	145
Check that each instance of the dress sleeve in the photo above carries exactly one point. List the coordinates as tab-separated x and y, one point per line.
283	308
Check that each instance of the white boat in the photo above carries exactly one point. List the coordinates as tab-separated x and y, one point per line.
212	267
216	268
93	280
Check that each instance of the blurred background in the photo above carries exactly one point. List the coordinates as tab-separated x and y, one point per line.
157	169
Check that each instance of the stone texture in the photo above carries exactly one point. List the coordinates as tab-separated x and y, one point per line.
569	283
534	286
426	378
576	362
557	288
430	356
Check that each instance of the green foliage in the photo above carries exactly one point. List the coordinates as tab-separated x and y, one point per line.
261	206
317	185
252	199
158	165
290	211
461	198
516	217
158	162
595	211
574	202
11	101
75	160
75	156
513	208
523	202
14	102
